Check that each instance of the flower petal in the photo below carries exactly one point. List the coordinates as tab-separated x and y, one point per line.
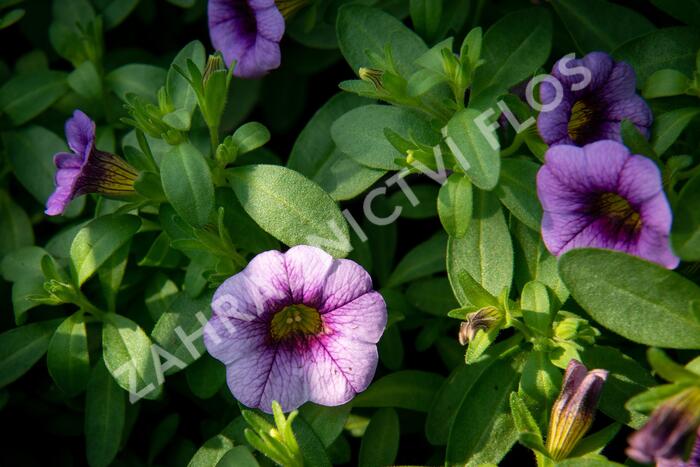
362	319
80	133
339	368
307	268
346	281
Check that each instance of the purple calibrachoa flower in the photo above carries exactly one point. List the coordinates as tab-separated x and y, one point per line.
248	32
663	439
596	111
573	411
602	196
87	169
295	327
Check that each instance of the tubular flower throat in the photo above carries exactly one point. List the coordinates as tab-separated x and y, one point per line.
87	169
596	111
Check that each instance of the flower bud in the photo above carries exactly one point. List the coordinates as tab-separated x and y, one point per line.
372	75
481	320
572	412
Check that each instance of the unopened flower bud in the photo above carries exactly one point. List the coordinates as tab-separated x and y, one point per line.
481	320
372	75
572	412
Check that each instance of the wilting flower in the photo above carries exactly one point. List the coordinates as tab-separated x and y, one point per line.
480	320
602	196
87	169
295	327
572	412
663	439
249	32
596	111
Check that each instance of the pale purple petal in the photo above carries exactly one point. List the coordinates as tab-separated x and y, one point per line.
362	319
346	281
263	285
307	268
340	367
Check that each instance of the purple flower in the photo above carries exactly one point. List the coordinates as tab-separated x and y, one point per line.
573	411
87	169
601	196
663	439
249	32
594	112
295	327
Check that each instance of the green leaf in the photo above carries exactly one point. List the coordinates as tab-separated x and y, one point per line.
666	368
424	208
483	430
27	95
380	443
290	207
540	381
22	347
639	300
23	267
665	83
67	358
128	357
636	141
247	234
162	434
11	17
426	15
326	422
626	378
86	81
453	393
362	29
205	377
111	274
31	150
673	48
424	260
485	253
596	442
535	262
523	419
105	407
359	133
184	318
187	183
142	80
513	49
432	296
669	126
98	241
408	389
239	456
600	25
311	447
517	191
454	204
687	11
217	446
685	234
316	156
250	136
16	229
114	12
475	153
179	90
537	311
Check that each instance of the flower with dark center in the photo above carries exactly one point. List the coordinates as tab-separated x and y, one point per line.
295	327
601	196
595	111
573	411
249	32
87	169
672	426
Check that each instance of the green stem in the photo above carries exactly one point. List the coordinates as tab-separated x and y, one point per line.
214	139
146	149
86	305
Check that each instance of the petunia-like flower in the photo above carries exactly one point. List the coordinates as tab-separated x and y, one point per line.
601	196
249	32
663	439
595	111
295	327
573	411
87	169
